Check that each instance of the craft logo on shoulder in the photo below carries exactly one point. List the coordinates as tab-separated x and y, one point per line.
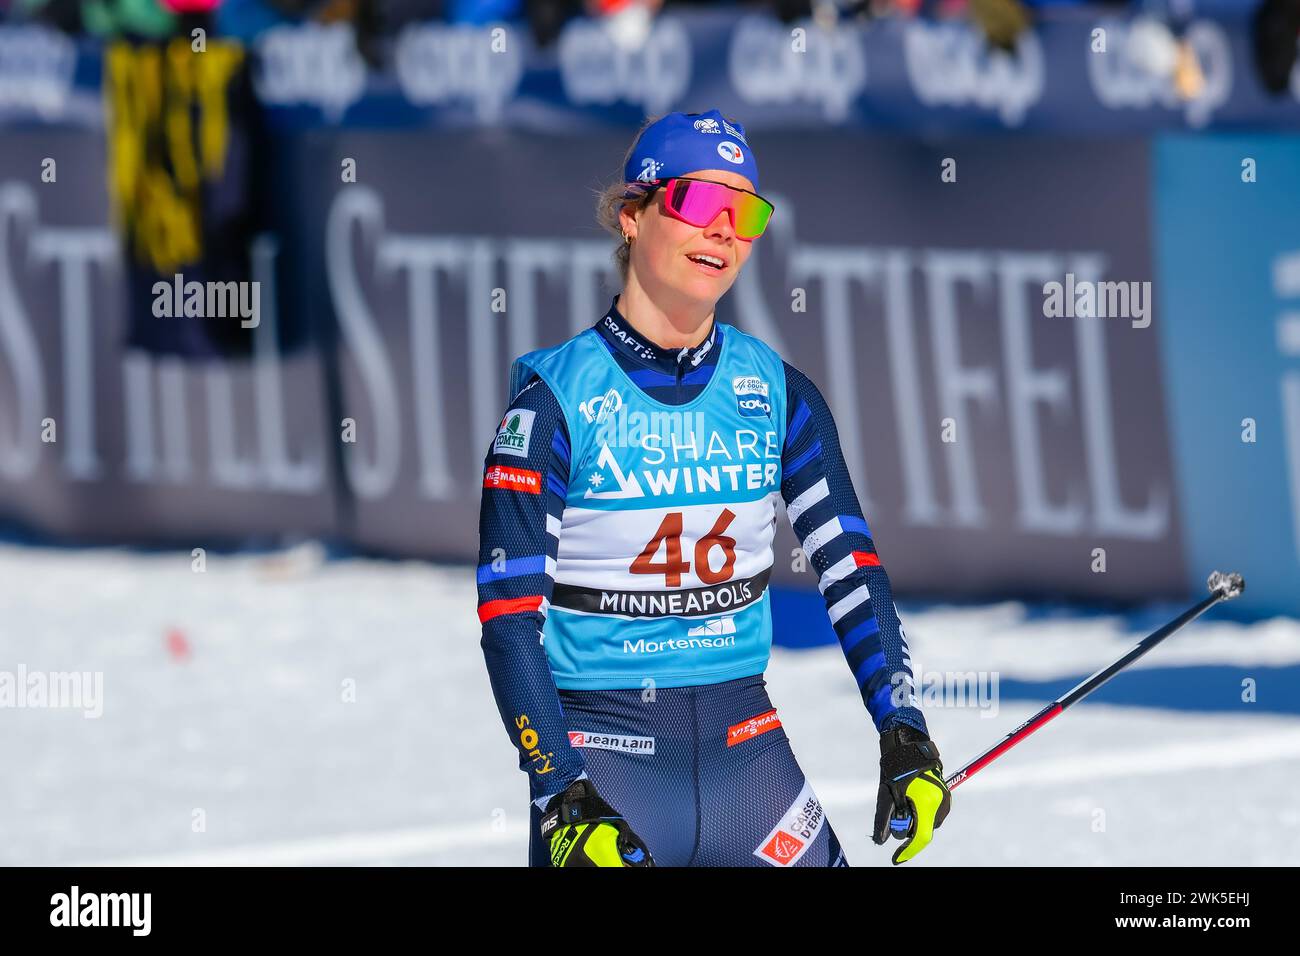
640	348
751	396
515	479
619	742
514	431
790	839
730	152
599	407
129	910
754	727
707	125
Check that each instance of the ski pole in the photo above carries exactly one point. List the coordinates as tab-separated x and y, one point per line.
1222	587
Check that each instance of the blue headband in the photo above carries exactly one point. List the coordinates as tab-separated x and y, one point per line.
682	143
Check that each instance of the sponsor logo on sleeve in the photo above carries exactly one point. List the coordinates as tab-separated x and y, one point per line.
619	742
790	839
752	396
514	432
514	479
754	727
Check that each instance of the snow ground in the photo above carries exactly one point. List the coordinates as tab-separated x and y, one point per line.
225	702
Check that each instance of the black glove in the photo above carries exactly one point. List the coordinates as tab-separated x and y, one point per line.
913	800
581	829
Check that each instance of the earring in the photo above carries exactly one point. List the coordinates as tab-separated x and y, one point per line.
627	238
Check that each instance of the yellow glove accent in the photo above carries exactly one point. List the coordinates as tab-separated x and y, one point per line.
929	799
595	843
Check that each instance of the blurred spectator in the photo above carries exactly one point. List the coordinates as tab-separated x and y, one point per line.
1276	32
102	18
245	19
626	21
372	20
547	17
1001	20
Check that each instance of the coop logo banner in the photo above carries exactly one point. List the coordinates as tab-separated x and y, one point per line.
37	67
460	64
599	67
951	64
1122	81
811	69
1233	361
310	65
751	396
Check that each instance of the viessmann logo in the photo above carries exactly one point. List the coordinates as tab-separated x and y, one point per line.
749	729
516	479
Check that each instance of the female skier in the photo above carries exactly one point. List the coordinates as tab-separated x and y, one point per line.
625	544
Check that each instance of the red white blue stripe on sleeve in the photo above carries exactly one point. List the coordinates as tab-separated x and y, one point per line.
828	521
510	585
519	539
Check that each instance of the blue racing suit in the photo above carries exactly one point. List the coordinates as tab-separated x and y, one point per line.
628	511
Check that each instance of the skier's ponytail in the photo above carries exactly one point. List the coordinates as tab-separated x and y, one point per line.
610	202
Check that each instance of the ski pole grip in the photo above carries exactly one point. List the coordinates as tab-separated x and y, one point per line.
1226	584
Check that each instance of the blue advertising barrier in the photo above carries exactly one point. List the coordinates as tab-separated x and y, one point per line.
1099	458
1227	223
1072	74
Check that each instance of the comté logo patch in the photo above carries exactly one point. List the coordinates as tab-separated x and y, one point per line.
516	479
513	432
749	729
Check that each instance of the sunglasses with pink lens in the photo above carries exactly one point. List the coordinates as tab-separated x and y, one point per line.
698	202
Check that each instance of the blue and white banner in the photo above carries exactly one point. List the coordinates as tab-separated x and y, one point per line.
1074	73
1009	430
